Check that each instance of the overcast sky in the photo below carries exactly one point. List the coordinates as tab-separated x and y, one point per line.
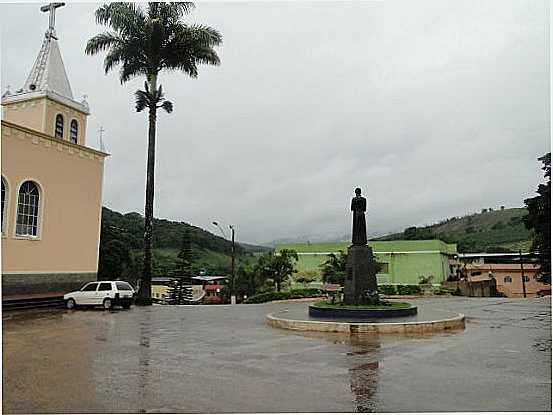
434	108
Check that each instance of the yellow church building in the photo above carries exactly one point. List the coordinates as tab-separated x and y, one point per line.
51	181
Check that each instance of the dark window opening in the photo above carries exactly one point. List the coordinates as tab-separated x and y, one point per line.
59	126
74	131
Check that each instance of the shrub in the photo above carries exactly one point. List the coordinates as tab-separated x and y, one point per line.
306	292
425	280
387	289
284	295
443	291
266	297
408	289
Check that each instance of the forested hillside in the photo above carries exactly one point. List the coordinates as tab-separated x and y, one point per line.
121	246
501	230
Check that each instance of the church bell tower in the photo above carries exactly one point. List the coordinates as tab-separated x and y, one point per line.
46	103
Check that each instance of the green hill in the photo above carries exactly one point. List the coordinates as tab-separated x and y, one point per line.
489	231
121	244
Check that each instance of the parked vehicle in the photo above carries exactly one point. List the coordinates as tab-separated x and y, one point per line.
543	292
101	293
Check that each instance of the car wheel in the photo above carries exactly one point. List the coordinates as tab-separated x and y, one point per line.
70	304
107	304
126	306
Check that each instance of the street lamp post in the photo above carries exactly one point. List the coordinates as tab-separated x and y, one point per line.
233	260
232	267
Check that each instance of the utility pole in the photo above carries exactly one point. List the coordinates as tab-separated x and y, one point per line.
233	260
522	273
232	292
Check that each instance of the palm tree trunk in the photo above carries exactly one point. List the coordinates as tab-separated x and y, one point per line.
145	293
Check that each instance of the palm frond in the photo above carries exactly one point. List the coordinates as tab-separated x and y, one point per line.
169	11
102	42
167	106
190	47
130	69
113	58
205	34
122	17
178	9
148	99
142	100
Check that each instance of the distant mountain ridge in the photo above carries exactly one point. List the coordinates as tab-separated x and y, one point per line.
168	234
501	230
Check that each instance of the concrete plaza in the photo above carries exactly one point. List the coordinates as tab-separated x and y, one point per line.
217	359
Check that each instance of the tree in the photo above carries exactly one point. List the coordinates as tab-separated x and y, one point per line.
145	43
248	280
539	220
179	293
184	264
410	232
307	276
333	269
277	267
115	259
181	290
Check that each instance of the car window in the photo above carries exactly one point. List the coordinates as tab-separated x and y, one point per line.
90	287
105	286
123	286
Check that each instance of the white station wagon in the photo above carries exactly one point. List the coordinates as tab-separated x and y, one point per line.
104	293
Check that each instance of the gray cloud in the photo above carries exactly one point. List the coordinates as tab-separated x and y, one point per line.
434	108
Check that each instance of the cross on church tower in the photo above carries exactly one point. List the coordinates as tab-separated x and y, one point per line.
102	146
51	8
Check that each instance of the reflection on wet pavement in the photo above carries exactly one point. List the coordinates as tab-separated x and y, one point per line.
224	359
364	372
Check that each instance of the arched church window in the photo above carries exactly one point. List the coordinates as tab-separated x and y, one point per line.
4	194
59	126
74	131
27	209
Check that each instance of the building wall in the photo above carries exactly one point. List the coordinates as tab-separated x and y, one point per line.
407	260
69	177
40	115
28	114
508	278
407	268
159	291
514	288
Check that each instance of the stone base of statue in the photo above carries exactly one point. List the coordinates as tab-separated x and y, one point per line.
360	275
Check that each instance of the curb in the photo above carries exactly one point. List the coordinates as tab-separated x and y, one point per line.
419	327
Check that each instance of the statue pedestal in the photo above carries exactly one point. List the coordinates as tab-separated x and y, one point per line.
360	275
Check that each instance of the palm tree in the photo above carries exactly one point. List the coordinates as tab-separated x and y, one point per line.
333	269
144	42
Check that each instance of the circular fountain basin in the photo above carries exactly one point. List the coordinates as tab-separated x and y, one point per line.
426	320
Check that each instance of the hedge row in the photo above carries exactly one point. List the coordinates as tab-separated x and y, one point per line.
284	295
316	292
399	289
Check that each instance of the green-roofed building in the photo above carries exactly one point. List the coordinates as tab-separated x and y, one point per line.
401	262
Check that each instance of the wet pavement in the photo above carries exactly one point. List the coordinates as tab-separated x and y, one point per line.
218	359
